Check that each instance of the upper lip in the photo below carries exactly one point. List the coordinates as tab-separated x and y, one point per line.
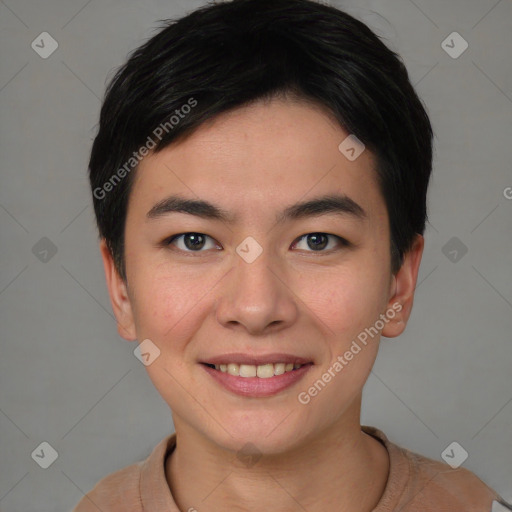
256	360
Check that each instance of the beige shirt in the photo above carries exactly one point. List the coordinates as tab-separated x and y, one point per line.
415	484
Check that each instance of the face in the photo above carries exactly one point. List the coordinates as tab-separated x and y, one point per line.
270	282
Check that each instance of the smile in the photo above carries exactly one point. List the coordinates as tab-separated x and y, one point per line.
256	381
263	371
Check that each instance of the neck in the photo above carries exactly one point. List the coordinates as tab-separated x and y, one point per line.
205	477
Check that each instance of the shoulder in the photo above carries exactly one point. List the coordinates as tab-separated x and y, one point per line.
135	488
117	491
420	484
438	485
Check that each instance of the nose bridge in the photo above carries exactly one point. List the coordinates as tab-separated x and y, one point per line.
255	279
255	295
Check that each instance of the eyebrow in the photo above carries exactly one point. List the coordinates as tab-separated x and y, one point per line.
339	204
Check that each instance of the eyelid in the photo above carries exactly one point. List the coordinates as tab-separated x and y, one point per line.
169	240
342	241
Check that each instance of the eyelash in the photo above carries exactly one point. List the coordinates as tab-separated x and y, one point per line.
344	243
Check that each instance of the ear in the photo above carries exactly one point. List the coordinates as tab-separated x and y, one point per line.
402	288
118	295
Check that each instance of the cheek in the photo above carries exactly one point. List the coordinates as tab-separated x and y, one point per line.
168	311
171	304
347	299
159	304
349	304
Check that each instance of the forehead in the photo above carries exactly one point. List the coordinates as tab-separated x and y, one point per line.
258	158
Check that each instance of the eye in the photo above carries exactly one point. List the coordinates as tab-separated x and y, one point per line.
319	241
195	242
190	242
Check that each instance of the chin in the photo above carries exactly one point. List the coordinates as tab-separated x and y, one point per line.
272	435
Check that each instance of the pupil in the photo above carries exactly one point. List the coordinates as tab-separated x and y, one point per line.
199	240
316	237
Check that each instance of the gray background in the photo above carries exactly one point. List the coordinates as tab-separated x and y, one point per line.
67	378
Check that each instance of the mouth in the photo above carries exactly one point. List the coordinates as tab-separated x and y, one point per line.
262	371
257	377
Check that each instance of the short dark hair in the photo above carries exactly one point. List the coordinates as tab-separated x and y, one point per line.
226	55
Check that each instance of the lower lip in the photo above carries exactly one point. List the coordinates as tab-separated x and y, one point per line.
255	386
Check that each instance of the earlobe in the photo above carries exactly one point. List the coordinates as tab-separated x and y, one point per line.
118	293
402	290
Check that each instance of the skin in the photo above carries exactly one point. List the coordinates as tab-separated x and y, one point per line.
253	162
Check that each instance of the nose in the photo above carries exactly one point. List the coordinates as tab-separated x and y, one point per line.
256	297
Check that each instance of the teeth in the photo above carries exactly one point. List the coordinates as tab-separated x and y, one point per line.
263	371
247	370
279	368
233	369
